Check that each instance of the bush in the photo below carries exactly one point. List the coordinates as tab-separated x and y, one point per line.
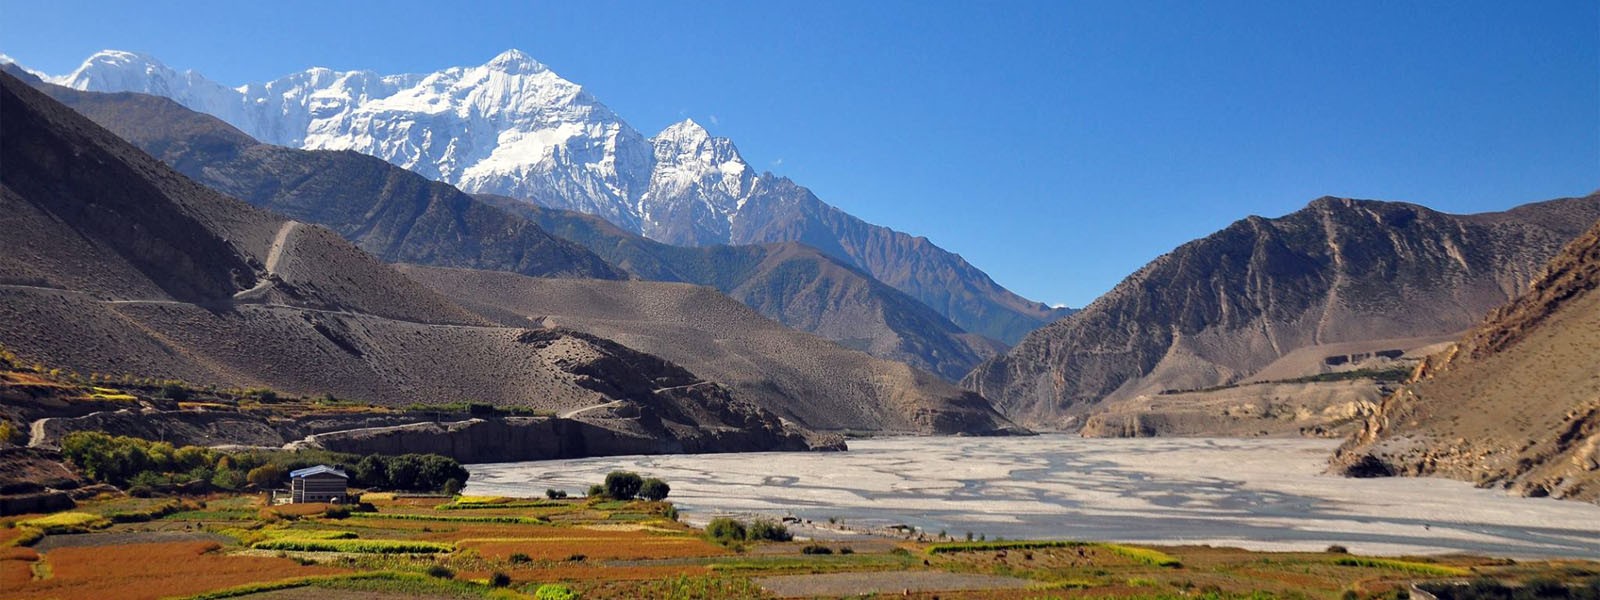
769	530
1337	549
816	549
723	529
520	558
452	486
623	485
555	494
175	391
441	572
499	580
597	491
654	489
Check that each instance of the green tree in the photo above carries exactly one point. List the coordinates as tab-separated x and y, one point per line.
623	485
266	476
654	489
370	472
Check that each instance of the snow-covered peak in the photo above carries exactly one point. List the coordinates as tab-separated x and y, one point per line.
686	129
515	61
117	69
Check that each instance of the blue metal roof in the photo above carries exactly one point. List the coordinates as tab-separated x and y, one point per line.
317	470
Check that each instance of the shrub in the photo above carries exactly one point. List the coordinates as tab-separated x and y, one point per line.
337	512
554	591
577	558
555	494
520	558
654	489
452	486
441	572
849	550
1337	549
723	529
596	491
175	391
623	485
499	580
816	549
769	530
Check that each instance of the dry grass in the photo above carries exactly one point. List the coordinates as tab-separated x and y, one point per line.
149	571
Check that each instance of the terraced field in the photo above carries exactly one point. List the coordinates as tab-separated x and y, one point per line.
433	547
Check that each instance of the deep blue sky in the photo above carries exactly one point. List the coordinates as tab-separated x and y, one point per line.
1057	145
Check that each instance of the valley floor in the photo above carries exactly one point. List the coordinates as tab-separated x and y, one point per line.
1267	494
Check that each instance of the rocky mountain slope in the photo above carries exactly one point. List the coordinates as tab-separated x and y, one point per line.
513	127
402	217
116	264
1516	403
1221	309
791	283
801	377
390	212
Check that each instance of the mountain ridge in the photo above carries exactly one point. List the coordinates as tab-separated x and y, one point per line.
1220	308
512	127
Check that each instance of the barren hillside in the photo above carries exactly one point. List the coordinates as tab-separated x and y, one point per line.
1515	403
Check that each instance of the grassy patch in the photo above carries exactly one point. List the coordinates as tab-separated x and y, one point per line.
1154	558
67	522
1420	568
355	546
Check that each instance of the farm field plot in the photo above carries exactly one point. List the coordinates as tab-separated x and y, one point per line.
384	547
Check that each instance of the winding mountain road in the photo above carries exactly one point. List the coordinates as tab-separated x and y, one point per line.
274	256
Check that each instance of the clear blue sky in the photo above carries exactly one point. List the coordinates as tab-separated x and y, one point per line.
1058	145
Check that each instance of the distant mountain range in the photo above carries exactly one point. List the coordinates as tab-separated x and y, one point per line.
1225	308
400	216
512	127
1515	403
116	264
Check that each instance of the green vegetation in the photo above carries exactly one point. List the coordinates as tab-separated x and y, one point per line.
67	522
477	409
374	581
654	490
555	591
1154	558
1402	565
622	485
144	467
725	531
302	544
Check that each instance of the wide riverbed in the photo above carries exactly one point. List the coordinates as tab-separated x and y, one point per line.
1265	494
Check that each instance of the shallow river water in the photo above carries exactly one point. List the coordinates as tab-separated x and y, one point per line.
1265	494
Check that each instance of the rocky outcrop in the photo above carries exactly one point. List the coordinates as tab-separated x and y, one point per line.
1219	309
1516	403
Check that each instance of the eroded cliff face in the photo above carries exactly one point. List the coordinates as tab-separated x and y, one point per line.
1516	403
1220	309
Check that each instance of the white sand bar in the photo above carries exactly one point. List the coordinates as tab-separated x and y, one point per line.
1263	494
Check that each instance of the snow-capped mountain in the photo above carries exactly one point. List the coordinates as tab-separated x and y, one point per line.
513	127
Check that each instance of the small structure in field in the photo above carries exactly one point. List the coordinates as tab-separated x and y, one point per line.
321	483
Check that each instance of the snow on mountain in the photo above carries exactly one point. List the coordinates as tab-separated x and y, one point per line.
513	127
